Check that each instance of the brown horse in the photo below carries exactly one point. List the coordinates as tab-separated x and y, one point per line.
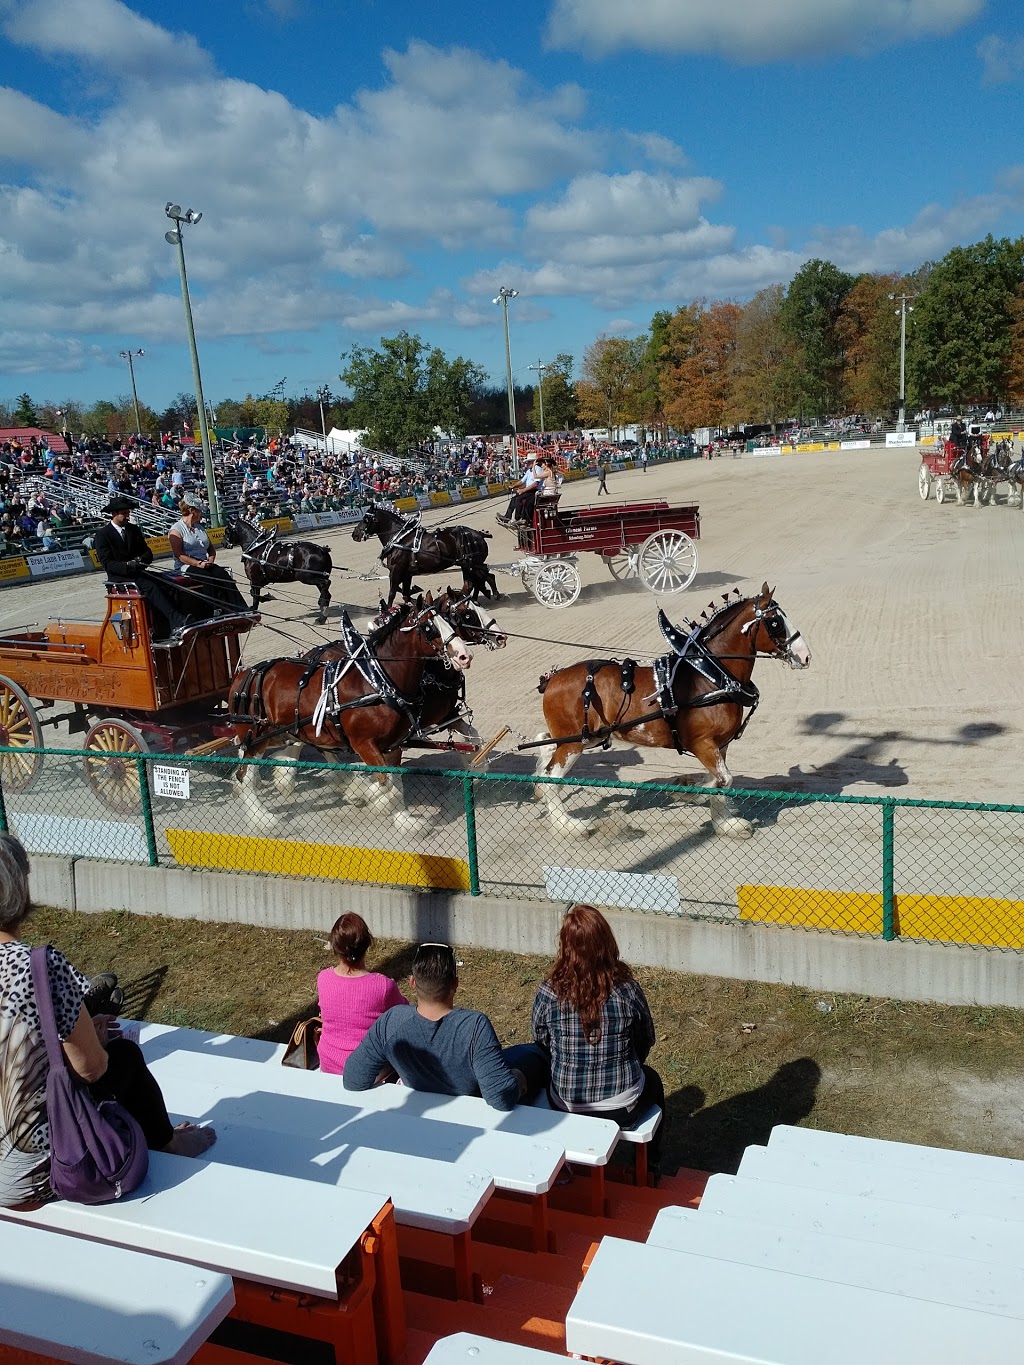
362	705
694	702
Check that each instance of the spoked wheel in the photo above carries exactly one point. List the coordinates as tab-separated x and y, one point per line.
19	729
557	584
110	769
667	562
624	564
924	483
940	491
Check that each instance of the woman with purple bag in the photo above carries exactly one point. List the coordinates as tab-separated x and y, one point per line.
111	1067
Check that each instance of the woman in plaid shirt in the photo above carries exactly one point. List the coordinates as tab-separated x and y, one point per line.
594	1022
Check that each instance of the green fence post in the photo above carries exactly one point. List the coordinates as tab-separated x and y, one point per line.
888	895
147	810
469	804
4	828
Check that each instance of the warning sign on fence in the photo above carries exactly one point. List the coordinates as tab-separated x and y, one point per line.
170	782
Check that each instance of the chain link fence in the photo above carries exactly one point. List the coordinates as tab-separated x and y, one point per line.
939	871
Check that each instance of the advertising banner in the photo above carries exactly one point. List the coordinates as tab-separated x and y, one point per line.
900	438
60	561
406	504
855	445
311	521
13	568
496	489
283	524
160	545
439	500
469	492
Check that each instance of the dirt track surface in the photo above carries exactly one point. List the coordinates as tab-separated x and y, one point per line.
910	610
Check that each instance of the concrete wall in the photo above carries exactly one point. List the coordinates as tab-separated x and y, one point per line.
906	970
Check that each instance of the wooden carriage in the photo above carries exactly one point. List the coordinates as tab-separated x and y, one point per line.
652	541
127	694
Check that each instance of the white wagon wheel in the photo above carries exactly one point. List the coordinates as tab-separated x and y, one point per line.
557	584
924	482
110	769
667	562
940	490
19	729
623	564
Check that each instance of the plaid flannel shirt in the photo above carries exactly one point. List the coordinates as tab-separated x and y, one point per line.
585	1073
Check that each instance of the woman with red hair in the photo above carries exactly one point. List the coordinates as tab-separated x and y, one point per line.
594	1022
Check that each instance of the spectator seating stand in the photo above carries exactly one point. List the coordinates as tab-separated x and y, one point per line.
316	1261
66	1299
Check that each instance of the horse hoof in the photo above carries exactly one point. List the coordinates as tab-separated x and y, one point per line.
403	819
733	827
268	597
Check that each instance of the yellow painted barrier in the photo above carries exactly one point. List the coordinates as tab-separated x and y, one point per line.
495	489
160	545
853	911
469	491
811	445
928	441
440	499
786	450
216	534
571	475
406	504
16	568
833	445
296	858
283	524
983	920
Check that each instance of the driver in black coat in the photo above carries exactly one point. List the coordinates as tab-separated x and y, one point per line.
124	556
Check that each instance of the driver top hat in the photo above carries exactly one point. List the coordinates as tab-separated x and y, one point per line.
119	503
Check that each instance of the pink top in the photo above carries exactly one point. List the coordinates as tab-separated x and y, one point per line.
348	1006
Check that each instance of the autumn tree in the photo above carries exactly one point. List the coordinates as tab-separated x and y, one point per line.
560	405
763	371
961	345
695	376
810	316
609	393
869	333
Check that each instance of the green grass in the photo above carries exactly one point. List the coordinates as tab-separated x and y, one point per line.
736	1057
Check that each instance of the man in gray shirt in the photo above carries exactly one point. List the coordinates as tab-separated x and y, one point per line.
435	1046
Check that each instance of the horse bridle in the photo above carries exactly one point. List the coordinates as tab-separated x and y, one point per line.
773	618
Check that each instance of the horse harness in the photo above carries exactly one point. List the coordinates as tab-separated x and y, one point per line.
400	540
259	549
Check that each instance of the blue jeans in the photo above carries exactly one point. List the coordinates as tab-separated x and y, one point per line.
533	1062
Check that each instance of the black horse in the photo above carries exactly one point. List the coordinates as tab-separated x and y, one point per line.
268	560
409	548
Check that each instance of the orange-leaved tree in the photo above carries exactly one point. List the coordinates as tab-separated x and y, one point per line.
695	381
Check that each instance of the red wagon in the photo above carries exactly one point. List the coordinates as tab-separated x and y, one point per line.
652	541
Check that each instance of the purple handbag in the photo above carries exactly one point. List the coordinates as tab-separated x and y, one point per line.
97	1150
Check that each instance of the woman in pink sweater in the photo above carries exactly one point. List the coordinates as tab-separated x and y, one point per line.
351	998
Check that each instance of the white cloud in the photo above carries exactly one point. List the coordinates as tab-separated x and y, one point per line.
30	352
636	202
751	31
105	33
1002	59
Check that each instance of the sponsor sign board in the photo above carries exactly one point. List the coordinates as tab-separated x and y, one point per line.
469	492
406	504
13	568
423	500
173	782
900	438
311	521
283	524
855	445
496	489
60	561
160	545
439	500
216	534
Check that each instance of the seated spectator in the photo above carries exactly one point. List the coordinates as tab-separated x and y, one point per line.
351	998
435	1046
593	1021
111	1066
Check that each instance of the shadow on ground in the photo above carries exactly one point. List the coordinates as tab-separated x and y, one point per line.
715	1138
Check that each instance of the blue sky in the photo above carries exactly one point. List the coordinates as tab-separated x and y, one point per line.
368	166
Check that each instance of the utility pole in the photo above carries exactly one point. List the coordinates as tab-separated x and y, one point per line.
503	296
540	368
905	307
173	211
129	356
323	396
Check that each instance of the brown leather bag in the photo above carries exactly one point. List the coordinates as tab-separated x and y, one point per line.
301	1050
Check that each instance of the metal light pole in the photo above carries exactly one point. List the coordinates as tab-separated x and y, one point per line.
175	214
540	368
130	356
323	396
901	312
503	296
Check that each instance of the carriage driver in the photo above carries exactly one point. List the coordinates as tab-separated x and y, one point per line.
124	556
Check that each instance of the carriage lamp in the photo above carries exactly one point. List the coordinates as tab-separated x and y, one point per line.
174	238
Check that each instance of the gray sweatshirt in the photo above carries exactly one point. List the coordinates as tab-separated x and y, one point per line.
458	1054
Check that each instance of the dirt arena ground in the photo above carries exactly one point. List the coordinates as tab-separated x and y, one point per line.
910	611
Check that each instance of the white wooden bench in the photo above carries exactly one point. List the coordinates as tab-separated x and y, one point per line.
931	1276
912	1227
158	1040
97	1305
638	1134
651	1306
845	1147
466	1348
263	1230
897	1183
